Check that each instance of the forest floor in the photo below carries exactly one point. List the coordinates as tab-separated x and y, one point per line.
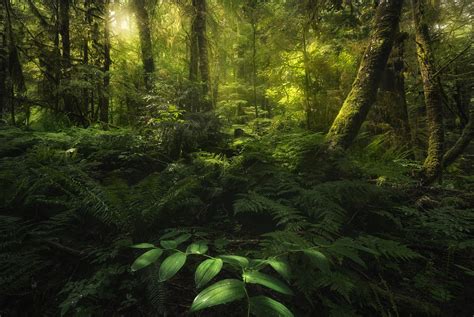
355	235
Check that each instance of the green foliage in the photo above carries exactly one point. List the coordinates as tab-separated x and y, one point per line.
334	236
224	291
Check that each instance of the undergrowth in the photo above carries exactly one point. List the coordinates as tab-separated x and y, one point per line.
73	202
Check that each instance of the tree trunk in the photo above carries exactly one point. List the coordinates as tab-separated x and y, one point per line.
85	61
201	32
3	59
432	91
391	100
307	80
199	54
193	53
12	67
364	89
143	22
254	69
64	29
104	100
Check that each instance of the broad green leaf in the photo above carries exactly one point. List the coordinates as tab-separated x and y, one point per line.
182	238
281	267
146	259
206	271
197	248
263	306
222	292
143	246
169	244
236	260
255	277
319	259
171	265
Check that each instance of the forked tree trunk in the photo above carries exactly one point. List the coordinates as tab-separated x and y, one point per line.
364	89
432	166
146	46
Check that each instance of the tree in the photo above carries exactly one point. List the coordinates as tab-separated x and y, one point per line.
199	55
104	98
146	45
3	59
391	106
433	163
364	89
64	30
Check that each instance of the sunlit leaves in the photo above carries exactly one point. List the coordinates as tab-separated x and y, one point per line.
142	246
222	292
281	267
206	271
255	277
197	248
146	259
169	244
171	265
236	260
263	306
319	259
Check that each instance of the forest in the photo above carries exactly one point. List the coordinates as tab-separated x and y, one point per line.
236	158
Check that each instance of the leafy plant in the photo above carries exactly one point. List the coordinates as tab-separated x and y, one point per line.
223	291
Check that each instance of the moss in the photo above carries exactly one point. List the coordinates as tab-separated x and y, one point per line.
360	99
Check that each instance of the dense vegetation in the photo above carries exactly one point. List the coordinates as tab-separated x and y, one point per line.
236	157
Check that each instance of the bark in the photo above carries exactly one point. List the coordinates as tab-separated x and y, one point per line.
146	46
85	59
104	100
432	92
3	59
462	143
364	89
12	70
254	68
199	53
307	80
64	30
193	53
392	97
201	33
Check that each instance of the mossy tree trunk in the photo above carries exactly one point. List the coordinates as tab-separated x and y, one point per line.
432	166
201	31
364	89
146	45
